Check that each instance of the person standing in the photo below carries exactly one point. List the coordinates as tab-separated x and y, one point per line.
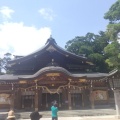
54	110
35	115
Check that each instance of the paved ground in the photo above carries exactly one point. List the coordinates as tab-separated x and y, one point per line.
96	114
81	118
73	113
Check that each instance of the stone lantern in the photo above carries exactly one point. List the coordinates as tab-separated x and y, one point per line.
114	82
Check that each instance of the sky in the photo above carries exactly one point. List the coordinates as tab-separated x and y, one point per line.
25	25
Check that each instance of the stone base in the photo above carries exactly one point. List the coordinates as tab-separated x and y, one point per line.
117	116
92	107
36	109
70	108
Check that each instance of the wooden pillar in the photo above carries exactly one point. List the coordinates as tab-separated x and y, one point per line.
92	99
22	101
12	101
64	99
36	100
12	97
69	100
83	98
92	96
59	95
40	98
18	100
64	96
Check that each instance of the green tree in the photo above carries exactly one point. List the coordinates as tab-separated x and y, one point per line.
92	46
99	61
113	31
112	50
3	63
113	15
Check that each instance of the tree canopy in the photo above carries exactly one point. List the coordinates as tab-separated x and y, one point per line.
91	46
113	15
3	62
103	49
113	52
113	32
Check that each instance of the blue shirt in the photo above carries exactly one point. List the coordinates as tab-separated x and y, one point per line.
54	111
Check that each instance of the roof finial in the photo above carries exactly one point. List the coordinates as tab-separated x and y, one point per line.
51	40
50	36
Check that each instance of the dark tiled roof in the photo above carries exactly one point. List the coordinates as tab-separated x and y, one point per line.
8	77
52	69
47	45
92	75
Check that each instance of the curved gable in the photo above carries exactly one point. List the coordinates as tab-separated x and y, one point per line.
45	56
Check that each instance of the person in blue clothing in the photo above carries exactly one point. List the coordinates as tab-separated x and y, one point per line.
54	110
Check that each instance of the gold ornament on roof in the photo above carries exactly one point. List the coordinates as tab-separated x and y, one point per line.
82	80
52	74
22	81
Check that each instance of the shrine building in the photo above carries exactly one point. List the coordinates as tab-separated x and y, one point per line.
52	73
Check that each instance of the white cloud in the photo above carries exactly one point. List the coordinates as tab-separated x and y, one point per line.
47	13
6	12
20	39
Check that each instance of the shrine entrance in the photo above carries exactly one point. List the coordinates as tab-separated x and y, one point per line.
48	98
76	99
27	100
